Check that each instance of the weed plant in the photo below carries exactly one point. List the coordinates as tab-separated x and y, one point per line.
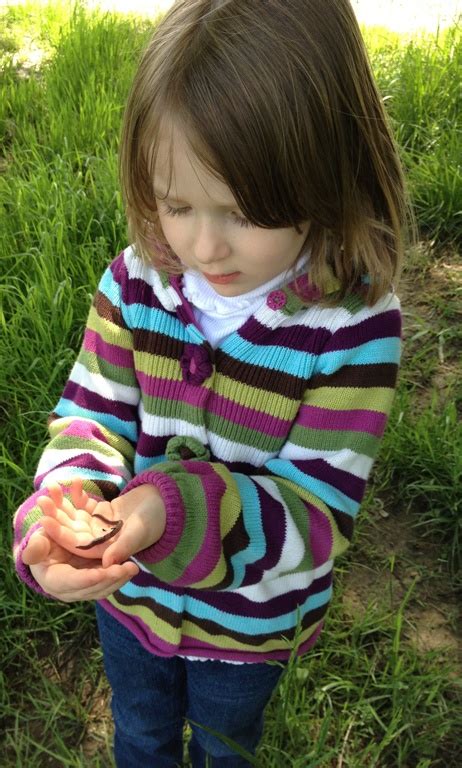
364	696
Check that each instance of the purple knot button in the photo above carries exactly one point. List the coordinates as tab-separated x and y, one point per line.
276	299
196	364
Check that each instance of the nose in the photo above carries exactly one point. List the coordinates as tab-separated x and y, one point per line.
210	243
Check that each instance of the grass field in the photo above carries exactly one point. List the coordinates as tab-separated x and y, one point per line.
383	686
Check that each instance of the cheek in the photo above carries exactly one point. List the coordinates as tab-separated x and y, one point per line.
172	231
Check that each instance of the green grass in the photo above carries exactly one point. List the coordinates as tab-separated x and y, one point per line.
420	80
366	696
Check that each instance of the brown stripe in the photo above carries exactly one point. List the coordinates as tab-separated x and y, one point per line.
175	620
261	378
157	344
108	311
379	375
345	523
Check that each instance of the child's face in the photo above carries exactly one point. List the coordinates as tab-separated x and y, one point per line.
206	230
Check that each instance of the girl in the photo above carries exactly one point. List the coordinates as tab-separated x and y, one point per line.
210	450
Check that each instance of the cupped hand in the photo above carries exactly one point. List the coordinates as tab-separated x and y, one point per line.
110	531
70	577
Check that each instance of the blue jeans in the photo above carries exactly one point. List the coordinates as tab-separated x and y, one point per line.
152	696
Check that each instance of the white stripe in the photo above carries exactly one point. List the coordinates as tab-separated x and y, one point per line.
52	457
267	590
103	386
228	450
333	318
294	547
355	463
159	426
137	269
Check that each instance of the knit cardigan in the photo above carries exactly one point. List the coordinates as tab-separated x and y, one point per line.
260	449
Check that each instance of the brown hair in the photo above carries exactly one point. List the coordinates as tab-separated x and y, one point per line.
278	100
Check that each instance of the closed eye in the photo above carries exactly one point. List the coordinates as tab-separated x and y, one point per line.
175	211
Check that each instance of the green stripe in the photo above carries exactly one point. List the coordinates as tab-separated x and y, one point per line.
349	398
158	366
173	409
109	331
96	364
71	442
257	399
193	534
297	510
240	434
330	440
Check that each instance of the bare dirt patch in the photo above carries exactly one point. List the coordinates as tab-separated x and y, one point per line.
399	556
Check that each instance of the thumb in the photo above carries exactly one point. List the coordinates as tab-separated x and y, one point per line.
37	549
129	541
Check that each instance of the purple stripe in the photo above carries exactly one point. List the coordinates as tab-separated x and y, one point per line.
349	484
236	603
299	337
113	354
175	514
274	531
219	405
184	309
321	538
149	446
247	417
313	417
84	430
88	463
194	647
133	289
381	326
176	391
83	397
24	510
137	627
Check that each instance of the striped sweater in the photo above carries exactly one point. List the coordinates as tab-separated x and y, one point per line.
260	449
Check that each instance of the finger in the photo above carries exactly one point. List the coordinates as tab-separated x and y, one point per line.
80	498
113	585
47	506
72	584
66	536
55	493
61	502
37	549
50	509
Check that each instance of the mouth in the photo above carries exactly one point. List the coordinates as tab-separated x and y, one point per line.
222	279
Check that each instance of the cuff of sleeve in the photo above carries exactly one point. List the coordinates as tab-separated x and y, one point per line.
23	570
174	514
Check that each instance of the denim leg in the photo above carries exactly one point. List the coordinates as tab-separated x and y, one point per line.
148	699
230	699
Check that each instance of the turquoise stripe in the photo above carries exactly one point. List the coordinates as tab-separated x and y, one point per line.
248	625
195	334
139	315
118	426
110	288
253	524
142	463
326	492
86	474
156	321
375	351
277	358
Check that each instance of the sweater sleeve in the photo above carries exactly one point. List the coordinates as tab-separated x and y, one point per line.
226	529
87	438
